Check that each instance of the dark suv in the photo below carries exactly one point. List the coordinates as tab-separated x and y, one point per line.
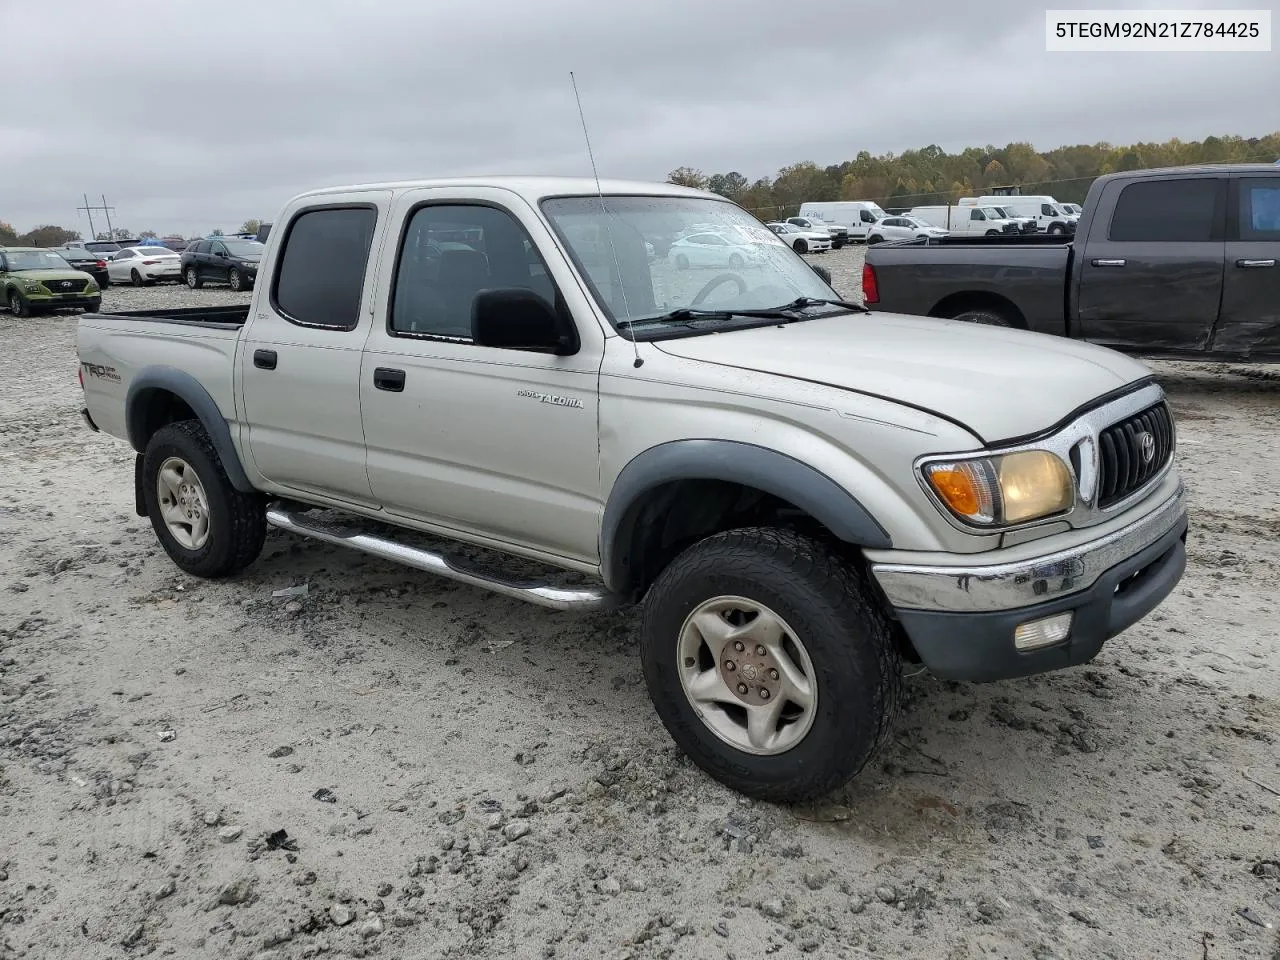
229	260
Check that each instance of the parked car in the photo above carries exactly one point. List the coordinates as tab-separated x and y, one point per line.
36	280
800	497
801	239
96	246
720	248
145	265
1180	262
229	260
856	216
93	264
838	233
967	221
904	228
1048	216
1025	224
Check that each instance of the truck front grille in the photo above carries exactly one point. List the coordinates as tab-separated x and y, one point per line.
1133	451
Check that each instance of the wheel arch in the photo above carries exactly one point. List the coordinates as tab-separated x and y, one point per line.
958	303
731	476
163	395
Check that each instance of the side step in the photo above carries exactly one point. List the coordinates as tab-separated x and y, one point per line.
557	598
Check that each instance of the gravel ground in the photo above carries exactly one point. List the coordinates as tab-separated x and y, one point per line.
392	765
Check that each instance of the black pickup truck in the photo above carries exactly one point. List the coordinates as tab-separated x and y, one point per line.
1180	262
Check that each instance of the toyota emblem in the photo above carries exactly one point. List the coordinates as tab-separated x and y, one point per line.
1147	444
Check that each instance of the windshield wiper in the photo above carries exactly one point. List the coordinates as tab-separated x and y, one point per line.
801	302
685	315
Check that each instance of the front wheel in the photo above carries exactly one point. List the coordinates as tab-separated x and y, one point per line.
235	279
874	238
800	247
992	233
193	279
1057	228
207	526
770	662
17	306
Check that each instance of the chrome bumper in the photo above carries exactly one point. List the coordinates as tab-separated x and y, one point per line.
976	588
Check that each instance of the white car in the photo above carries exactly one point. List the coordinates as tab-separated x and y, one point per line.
801	240
712	249
904	228
144	265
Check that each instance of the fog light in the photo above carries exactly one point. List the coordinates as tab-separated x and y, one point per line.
1035	634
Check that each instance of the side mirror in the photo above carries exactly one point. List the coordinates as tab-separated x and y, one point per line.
823	272
518	319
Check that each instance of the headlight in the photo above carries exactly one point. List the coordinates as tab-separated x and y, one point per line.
31	285
1003	490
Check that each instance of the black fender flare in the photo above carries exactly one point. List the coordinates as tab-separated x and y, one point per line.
186	387
736	462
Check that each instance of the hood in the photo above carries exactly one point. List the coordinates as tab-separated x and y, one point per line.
40	276
999	383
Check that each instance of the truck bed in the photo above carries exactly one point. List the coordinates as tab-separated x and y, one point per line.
1025	276
218	318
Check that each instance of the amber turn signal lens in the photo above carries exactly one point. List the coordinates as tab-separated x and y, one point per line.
966	488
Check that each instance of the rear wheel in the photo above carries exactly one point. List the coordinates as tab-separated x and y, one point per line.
193	279
770	663
136	277
985	315
207	526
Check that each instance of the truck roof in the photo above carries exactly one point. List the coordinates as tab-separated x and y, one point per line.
1192	168
532	188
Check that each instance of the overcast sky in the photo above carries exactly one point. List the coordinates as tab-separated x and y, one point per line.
193	115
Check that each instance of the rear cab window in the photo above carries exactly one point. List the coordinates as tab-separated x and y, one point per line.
1177	211
320	274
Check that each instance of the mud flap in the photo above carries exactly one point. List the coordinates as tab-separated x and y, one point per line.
140	502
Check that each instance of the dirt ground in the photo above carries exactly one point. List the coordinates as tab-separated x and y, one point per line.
395	766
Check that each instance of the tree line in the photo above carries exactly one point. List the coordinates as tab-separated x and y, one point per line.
49	235
930	175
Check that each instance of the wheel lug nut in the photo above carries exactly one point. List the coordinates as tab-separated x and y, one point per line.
760	650
764	694
742	688
730	666
737	645
773	674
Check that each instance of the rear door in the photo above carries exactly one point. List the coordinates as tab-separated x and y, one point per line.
300	354
1150	271
1250	320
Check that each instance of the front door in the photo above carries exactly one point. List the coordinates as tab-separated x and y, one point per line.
1151	276
1250	320
219	261
300	356
500	444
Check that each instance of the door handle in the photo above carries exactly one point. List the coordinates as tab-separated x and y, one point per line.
1255	263
1107	263
385	378
266	359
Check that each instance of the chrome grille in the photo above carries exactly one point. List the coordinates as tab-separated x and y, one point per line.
1132	452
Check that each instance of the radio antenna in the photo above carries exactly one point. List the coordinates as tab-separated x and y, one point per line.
622	287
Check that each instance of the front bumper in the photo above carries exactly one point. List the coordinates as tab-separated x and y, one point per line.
961	620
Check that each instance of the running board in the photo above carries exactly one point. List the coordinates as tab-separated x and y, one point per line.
544	595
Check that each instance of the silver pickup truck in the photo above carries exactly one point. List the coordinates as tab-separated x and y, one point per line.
801	494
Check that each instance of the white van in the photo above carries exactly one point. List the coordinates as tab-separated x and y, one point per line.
966	220
856	216
1049	217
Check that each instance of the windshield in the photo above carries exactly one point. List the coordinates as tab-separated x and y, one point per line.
36	260
645	257
244	248
102	246
994	213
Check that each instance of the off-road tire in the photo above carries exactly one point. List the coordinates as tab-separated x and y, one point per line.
193	279
237	521
856	662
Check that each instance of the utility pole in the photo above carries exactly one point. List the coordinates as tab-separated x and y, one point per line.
111	233
89	213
